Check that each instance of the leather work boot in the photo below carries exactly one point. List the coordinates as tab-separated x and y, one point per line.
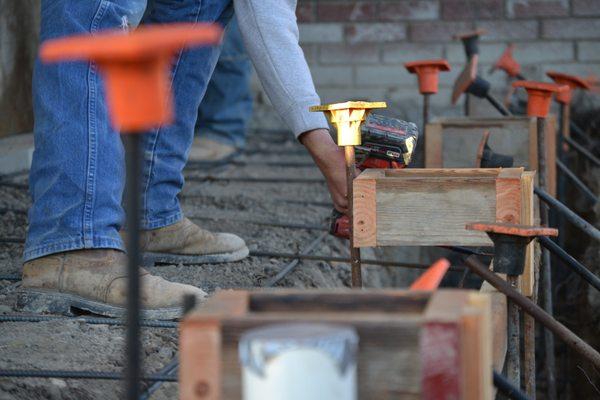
186	243
95	280
210	152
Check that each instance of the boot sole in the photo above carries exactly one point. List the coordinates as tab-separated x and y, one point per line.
151	258
41	301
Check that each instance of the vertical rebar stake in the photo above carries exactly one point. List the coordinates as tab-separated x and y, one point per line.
546	273
425	122
132	192
354	251
513	353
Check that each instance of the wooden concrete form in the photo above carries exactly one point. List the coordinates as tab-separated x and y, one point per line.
431	207
412	345
453	142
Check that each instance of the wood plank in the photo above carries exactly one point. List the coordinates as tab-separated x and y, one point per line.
528	218
433	145
365	211
508	196
476	349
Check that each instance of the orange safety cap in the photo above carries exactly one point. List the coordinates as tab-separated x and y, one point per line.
466	77
540	94
136	67
512	229
507	63
572	81
428	73
432	278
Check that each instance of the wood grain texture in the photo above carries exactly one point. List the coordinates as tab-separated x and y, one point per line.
508	196
392	327
458	138
365	212
528	218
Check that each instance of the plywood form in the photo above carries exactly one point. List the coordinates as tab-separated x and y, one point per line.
401	334
453	142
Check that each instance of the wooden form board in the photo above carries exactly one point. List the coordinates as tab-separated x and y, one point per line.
412	345
453	142
431	207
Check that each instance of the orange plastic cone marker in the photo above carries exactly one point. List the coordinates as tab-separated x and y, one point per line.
540	94
136	67
428	73
572	81
432	278
507	63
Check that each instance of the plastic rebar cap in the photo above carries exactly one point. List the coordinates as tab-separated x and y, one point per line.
540	95
572	81
427	73
464	80
431	279
136	67
507	63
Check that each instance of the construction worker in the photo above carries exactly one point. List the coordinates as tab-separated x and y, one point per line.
74	252
226	108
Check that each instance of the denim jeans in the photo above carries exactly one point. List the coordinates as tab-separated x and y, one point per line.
77	174
226	109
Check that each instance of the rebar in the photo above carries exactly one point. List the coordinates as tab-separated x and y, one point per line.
210	178
577	182
147	323
571	339
571	262
582	150
506	388
289	267
497	105
575	219
27	373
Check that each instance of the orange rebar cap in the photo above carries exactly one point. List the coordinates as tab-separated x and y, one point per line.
512	229
466	77
136	67
572	81
428	73
507	63
540	94
431	279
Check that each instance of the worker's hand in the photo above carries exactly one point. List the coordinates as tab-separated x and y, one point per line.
330	160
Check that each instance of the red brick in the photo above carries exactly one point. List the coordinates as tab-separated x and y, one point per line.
472	10
375	32
347	11
437	31
349	54
409	10
580	28
509	30
537	8
305	12
586	7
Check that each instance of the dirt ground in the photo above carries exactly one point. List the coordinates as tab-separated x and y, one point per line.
216	205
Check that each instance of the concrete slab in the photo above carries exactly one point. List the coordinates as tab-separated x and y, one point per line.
16	152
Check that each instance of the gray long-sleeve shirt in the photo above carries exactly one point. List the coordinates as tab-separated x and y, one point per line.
270	34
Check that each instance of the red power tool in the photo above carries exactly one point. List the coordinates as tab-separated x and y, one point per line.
386	143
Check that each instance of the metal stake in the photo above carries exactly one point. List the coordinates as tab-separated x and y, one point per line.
354	251
133	344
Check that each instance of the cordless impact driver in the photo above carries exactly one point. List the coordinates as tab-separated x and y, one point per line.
387	143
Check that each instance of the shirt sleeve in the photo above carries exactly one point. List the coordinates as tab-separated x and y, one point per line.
270	33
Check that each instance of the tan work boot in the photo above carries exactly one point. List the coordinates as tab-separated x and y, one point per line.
210	151
187	243
95	280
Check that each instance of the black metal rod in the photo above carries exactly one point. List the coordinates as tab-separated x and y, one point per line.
579	132
12	240
12	210
578	183
571	339
497	105
168	370
133	369
506	388
26	373
570	215
582	150
355	262
289	267
571	262
148	323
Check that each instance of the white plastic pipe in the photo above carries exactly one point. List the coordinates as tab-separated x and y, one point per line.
299	362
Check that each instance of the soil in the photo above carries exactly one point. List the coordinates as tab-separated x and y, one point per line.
218	205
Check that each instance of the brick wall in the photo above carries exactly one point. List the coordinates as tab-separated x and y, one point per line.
356	49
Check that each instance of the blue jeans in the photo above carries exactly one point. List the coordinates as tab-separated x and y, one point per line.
226	109
77	174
